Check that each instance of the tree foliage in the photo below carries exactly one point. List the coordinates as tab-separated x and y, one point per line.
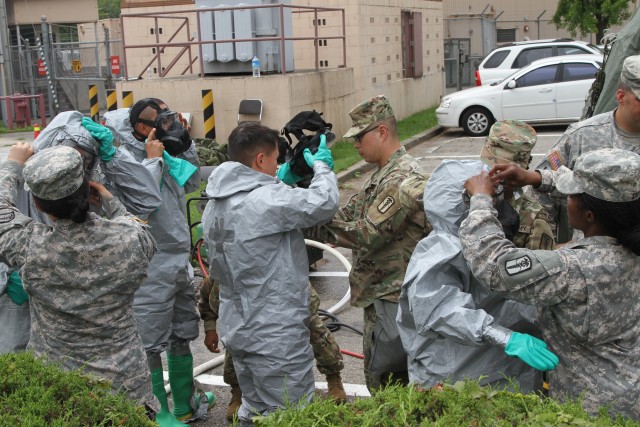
590	16
108	9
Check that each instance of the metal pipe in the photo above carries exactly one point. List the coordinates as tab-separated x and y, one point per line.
538	21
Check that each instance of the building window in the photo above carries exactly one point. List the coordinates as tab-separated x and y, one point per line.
412	53
505	35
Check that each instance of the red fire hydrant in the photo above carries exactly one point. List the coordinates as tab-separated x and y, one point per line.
22	110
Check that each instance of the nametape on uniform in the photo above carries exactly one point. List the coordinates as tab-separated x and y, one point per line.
386	204
6	217
524	229
518	265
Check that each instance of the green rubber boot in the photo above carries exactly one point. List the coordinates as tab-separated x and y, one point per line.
188	403
164	418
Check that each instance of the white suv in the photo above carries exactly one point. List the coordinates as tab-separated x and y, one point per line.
506	60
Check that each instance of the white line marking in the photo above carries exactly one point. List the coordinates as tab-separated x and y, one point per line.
358	390
475	156
329	274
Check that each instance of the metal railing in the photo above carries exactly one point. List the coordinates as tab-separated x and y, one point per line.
190	42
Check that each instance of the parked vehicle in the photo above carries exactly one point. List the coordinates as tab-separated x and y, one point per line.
505	60
548	91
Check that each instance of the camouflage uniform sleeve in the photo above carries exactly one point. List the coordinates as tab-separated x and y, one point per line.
385	219
209	303
15	228
530	277
322	233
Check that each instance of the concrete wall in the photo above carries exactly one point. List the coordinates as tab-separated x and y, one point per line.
283	96
519	15
21	12
374	66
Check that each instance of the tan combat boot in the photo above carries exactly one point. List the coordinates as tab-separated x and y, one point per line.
234	404
336	390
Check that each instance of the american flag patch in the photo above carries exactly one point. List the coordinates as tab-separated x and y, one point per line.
555	160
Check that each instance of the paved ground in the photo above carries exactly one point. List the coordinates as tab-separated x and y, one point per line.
429	148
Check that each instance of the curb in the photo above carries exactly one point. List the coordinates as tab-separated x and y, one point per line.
363	166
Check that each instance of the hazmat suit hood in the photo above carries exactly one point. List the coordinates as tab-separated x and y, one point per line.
443	310
232	177
446	186
66	129
118	123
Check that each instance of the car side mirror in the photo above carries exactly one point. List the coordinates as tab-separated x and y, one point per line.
511	84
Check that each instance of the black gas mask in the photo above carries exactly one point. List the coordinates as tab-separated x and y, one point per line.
293	154
169	130
171	133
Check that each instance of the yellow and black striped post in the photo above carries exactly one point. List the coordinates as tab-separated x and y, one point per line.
112	100
127	99
207	110
93	103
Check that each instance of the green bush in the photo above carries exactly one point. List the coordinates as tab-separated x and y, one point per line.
35	392
460	404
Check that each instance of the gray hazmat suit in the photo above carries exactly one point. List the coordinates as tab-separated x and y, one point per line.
444	311
257	253
165	305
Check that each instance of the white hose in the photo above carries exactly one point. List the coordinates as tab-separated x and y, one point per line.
339	306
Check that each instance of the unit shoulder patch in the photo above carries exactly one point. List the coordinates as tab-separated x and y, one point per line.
518	265
386	204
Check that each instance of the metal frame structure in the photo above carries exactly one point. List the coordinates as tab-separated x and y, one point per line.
199	43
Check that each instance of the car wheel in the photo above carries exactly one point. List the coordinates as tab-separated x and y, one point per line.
477	121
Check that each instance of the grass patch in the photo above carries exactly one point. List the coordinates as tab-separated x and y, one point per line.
34	392
459	404
4	129
345	155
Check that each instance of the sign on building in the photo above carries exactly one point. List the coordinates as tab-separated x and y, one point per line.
42	71
115	65
76	66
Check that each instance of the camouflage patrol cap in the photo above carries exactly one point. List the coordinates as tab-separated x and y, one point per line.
54	173
630	74
509	141
366	114
609	174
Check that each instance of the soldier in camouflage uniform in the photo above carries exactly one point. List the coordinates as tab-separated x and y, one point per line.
325	348
81	272
586	291
511	141
381	224
619	128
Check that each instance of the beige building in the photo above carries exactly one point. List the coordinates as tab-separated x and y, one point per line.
393	47
21	12
476	28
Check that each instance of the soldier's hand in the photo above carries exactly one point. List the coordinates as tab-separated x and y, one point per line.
479	184
153	147
211	341
184	122
515	176
97	192
20	152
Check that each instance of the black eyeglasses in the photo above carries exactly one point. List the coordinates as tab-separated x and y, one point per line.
358	137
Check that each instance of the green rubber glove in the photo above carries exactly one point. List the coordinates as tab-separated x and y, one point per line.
286	175
179	169
531	351
103	135
323	154
15	290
